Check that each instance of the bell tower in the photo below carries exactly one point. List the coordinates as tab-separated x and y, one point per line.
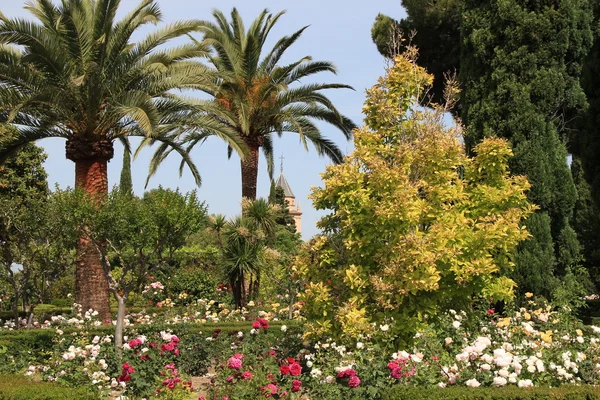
293	207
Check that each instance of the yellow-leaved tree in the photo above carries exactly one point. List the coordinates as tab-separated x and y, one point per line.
416	226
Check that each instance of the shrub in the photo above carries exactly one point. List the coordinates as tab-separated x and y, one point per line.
505	393
16	387
190	284
416	224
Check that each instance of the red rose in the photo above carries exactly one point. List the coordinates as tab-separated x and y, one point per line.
284	369
295	369
296	384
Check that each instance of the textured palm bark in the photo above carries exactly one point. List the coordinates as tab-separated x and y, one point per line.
250	171
91	175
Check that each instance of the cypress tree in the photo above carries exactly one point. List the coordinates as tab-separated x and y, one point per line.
520	67
585	145
126	183
431	26
586	222
283	217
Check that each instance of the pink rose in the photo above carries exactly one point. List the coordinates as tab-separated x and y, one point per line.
396	373
354	381
234	363
247	375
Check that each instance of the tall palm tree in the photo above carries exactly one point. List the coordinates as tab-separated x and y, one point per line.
76	74
256	96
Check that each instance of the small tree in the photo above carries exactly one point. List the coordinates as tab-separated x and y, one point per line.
245	243
416	225
134	236
33	252
36	249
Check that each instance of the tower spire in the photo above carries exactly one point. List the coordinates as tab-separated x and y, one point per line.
281	165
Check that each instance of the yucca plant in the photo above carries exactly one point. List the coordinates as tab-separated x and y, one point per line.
75	73
257	96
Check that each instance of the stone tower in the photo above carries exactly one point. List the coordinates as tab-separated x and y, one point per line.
293	208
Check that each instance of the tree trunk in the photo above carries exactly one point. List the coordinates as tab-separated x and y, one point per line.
121	300
16	308
256	286
250	171
91	162
239	292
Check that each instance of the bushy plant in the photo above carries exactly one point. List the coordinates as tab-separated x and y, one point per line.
416	224
191	284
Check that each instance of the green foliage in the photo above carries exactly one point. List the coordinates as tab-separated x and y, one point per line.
195	282
20	349
36	248
416	224
585	145
520	68
18	387
431	26
534	261
503	393
283	218
246	247
586	221
23	175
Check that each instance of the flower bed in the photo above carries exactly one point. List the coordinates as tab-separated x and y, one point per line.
530	347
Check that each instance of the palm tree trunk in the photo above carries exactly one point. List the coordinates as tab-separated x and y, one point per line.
91	175
250	171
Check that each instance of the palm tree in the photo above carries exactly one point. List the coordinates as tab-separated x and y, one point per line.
245	246
257	97
75	74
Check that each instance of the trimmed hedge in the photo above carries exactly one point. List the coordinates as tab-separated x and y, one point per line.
503	393
16	387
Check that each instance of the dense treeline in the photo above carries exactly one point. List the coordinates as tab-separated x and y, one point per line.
528	73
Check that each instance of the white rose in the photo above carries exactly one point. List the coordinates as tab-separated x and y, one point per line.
359	345
448	341
456	324
525	383
283	328
499	381
473	383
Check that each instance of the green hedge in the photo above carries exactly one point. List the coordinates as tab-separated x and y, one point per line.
504	393
49	310
16	387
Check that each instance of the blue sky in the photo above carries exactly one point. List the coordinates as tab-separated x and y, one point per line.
339	32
